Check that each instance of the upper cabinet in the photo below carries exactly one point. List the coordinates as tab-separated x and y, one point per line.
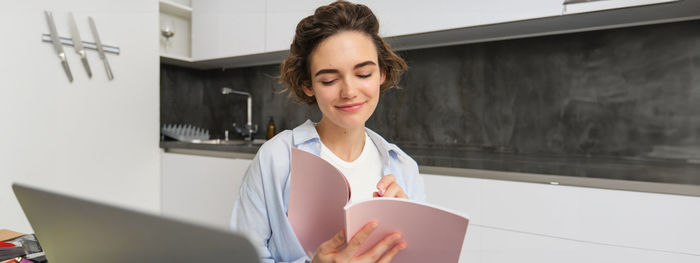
237	33
583	6
404	17
227	28
174	29
282	19
234	28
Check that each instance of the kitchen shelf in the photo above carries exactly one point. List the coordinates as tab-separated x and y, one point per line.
177	49
176	60
176	9
259	59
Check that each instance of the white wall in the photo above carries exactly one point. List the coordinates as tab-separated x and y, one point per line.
527	222
92	138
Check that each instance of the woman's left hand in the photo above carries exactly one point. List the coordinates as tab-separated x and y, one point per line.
387	187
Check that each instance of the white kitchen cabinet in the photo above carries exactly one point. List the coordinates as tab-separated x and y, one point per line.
213	19
240	33
403	17
574	7
200	189
534	222
227	28
282	19
175	17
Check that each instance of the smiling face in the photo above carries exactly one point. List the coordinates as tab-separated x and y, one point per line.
345	79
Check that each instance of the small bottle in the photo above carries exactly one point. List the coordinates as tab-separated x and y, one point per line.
270	129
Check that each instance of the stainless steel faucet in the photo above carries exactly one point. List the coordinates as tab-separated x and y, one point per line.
249	129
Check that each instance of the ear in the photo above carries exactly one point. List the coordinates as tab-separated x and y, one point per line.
382	76
308	90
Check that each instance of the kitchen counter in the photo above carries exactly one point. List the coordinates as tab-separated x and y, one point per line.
636	174
215	150
237	148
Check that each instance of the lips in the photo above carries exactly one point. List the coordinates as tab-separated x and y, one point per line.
353	107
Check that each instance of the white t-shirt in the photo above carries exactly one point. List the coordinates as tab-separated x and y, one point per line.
363	173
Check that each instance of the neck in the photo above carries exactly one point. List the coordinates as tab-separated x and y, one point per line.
343	142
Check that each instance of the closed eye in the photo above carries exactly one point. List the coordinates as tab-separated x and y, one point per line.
365	76
326	83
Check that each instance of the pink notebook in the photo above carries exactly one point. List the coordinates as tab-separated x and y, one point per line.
318	209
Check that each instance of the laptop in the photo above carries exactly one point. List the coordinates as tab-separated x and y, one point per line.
70	229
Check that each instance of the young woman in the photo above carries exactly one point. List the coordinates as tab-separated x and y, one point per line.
338	62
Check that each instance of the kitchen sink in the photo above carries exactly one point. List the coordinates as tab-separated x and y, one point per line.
256	142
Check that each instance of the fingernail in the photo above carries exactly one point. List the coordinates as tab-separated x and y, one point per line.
374	224
381	192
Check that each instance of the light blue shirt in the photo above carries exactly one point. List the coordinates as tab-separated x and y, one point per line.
261	209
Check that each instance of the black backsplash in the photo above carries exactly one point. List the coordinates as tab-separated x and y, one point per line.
194	97
631	93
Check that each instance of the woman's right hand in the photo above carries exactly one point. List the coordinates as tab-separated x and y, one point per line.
382	252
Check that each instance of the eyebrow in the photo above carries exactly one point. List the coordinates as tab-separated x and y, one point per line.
324	71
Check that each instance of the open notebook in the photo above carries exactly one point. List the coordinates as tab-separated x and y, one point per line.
318	209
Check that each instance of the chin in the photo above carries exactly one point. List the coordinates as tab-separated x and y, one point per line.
352	122
351	125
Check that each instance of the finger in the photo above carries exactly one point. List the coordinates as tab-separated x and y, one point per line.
392	252
384	183
394	190
332	244
380	248
356	242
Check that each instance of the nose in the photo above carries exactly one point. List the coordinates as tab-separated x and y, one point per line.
349	89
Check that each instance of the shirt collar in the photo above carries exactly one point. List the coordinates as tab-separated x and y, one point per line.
384	146
306	132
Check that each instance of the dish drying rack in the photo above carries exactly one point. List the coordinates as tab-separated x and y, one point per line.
184	132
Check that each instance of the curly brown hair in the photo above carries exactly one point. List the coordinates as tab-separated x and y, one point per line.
325	22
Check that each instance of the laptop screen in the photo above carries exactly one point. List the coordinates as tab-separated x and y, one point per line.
70	229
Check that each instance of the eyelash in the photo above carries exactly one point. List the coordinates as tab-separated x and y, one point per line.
326	83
